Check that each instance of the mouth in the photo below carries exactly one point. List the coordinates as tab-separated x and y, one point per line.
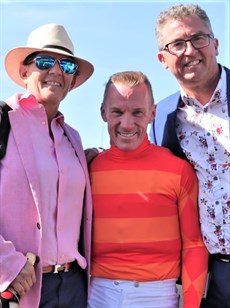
53	83
193	63
127	135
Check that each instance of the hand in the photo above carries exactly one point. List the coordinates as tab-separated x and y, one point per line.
25	279
90	154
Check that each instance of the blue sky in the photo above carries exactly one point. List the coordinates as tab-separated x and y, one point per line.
114	36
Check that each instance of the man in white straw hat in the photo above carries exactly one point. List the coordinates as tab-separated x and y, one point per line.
45	191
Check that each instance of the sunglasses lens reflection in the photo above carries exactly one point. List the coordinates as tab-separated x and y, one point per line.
68	66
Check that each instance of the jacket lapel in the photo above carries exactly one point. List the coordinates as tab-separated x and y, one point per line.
23	141
76	143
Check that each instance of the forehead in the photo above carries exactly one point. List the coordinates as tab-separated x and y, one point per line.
120	93
53	54
183	28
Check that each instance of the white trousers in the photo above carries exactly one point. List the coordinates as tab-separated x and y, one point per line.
106	293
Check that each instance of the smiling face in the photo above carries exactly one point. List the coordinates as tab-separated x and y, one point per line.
193	67
48	86
128	111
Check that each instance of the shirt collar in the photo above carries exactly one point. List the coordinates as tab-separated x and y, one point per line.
29	101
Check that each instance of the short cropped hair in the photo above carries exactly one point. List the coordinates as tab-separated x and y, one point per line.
132	79
177	12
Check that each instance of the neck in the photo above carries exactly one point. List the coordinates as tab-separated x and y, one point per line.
51	112
202	91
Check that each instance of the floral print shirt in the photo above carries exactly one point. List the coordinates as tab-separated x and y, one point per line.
203	132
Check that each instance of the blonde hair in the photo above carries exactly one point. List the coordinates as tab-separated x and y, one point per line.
130	78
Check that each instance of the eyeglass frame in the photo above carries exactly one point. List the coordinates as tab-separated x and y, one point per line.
29	60
207	35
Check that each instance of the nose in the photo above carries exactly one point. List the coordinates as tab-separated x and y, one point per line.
126	121
189	49
55	69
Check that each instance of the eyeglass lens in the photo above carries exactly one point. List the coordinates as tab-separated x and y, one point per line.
197	42
68	66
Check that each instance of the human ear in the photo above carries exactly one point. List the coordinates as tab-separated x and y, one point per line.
153	113
216	45
23	73
162	59
72	82
103	112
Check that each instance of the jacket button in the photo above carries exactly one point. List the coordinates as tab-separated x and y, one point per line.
38	226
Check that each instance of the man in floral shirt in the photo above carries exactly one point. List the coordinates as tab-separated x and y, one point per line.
194	124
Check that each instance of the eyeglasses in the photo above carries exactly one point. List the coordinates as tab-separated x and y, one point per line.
197	41
68	66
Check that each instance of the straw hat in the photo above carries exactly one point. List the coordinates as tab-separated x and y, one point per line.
52	38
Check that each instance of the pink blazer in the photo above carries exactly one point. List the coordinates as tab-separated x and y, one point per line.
20	223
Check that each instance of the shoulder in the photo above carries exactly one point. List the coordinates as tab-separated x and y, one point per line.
227	69
71	129
13	101
103	155
167	158
169	101
166	154
72	132
165	107
101	161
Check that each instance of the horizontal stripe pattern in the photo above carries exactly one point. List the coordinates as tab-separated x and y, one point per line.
134	205
135	181
150	252
145	217
136	229
142	272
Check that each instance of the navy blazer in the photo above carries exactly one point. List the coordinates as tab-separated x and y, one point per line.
163	130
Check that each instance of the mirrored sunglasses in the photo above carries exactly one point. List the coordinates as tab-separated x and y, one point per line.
68	66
